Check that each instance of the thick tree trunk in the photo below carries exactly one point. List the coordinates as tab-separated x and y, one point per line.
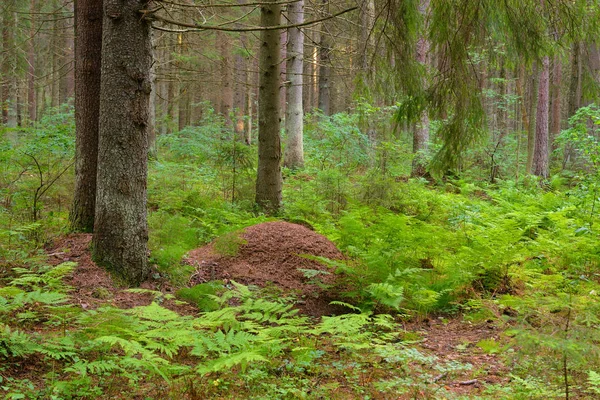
269	180
88	49
294	152
540	157
121	231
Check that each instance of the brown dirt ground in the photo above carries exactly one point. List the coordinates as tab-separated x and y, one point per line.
271	252
92	286
456	340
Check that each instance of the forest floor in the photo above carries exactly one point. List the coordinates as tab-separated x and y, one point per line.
269	255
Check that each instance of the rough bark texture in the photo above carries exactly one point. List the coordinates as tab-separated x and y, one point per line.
269	180
540	156
88	49
421	132
294	126
121	231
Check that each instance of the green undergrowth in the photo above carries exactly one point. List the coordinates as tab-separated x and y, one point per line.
256	347
516	255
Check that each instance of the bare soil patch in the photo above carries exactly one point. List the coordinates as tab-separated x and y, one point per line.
272	252
456	340
92	286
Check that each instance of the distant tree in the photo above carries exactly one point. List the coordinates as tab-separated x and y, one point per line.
88	50
121	229
294	151
325	49
540	153
421	129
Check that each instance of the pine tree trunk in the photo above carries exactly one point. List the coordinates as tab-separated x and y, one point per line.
540	157
121	231
88	49
269	180
294	152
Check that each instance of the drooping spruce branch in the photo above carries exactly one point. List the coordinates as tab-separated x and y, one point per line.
152	15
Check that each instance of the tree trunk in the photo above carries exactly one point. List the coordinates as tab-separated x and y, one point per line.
226	105
540	157
121	230
152	102
365	34
325	67
241	77
5	67
294	152
31	97
535	81
269	180
88	48
421	130
556	100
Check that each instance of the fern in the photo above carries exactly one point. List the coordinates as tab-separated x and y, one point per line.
15	343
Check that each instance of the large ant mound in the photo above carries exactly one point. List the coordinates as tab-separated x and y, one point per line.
271	252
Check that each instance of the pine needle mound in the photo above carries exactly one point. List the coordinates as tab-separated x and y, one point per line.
270	252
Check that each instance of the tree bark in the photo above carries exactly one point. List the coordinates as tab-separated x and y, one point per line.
269	180
121	231
88	48
556	99
31	97
325	67
226	105
534	93
540	157
240	92
294	151
5	66
365	34
421	130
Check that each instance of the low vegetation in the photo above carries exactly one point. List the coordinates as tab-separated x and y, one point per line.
518	258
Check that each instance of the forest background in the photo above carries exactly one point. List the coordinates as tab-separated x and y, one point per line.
449	148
